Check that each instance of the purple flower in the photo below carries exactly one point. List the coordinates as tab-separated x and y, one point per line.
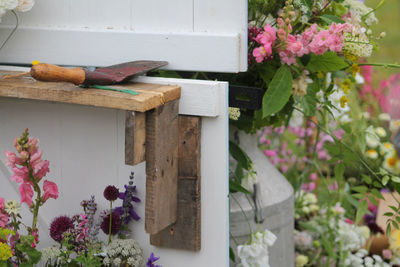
59	226
115	223
151	260
127	211
111	193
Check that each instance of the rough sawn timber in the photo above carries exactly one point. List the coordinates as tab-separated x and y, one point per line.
161	167
150	95
186	232
135	137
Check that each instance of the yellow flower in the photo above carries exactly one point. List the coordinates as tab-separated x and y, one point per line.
354	69
5	252
394	241
346	85
301	260
343	101
35	62
372	154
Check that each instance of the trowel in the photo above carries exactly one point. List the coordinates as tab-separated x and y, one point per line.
100	76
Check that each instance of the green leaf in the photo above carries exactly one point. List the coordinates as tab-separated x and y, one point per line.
367	179
239	155
232	254
373	200
393	208
388	229
361	210
396	179
339	171
385	180
360	189
388	214
331	19
327	62
236	187
377	194
395	224
279	91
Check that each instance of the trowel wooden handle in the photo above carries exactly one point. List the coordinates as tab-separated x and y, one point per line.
52	73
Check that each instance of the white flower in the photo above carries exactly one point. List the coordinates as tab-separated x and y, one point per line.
303	241
351	236
371	138
300	84
372	154
380	132
384	117
392	163
234	113
25	5
386	148
256	253
309	198
301	260
12	207
8	4
394	125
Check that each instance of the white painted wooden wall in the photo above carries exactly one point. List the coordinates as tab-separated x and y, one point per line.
85	147
199	35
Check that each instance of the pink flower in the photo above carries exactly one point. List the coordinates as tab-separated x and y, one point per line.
41	169
347	220
308	187
268	36
26	192
24	155
259	53
12	159
287	57
36	158
270	153
32	144
313	176
335	43
334	186
387	254
1	203
50	190
3	220
20	174
293	45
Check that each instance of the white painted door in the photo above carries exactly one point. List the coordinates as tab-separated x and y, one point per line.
198	35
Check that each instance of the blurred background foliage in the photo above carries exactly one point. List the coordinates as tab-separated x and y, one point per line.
389	47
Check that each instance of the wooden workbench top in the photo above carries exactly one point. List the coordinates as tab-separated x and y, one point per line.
149	95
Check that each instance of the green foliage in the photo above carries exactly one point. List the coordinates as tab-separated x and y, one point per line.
279	91
326	63
25	246
329	19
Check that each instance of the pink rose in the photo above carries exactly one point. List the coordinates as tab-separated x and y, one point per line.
26	192
50	190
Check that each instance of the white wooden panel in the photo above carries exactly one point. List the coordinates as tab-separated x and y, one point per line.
166	15
85	146
208	15
198	35
198	98
102	48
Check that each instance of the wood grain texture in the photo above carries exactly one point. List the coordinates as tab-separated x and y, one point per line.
149	97
135	137
186	232
161	167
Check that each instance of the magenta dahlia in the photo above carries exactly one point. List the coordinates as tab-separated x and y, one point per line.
59	226
111	193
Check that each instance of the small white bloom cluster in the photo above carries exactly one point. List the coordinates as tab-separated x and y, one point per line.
50	254
352	237
12	207
234	113
308	202
300	84
124	251
357	44
18	5
303	240
359	9
360	259
256	253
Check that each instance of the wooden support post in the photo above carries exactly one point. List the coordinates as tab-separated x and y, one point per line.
161	167
186	232
135	137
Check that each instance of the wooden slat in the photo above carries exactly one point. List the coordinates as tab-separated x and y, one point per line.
150	95
161	167
135	137
186	232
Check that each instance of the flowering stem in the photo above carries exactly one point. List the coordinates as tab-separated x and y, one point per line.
110	223
380	65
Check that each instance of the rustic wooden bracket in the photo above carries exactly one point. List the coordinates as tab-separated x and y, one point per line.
161	166
186	232
135	137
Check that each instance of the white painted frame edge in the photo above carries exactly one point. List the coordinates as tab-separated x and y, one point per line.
192	51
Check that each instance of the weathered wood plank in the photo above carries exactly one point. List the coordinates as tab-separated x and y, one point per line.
135	137
150	95
186	232
161	167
